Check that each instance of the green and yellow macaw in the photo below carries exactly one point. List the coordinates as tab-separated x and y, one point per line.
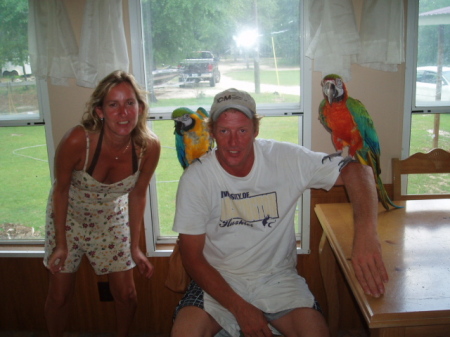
192	138
351	126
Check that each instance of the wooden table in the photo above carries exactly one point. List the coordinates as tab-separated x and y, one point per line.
416	251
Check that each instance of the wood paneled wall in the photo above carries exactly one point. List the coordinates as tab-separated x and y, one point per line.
23	288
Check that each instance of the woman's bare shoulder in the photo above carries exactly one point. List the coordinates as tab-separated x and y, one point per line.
152	153
74	135
74	140
154	141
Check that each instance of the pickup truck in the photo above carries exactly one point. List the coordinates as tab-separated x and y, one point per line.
199	66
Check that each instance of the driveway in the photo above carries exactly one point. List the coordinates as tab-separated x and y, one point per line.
191	91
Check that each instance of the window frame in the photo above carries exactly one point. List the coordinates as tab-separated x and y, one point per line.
33	248
410	108
157	247
45	119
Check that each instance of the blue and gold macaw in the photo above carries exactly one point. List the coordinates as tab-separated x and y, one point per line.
351	126
192	138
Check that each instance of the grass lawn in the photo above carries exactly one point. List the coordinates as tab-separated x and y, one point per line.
25	181
422	135
23	157
267	98
283	76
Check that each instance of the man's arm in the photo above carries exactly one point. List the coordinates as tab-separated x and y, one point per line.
367	260
251	320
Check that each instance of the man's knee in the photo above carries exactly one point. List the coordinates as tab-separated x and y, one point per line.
302	322
193	321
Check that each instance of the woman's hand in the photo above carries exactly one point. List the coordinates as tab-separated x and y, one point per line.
57	259
142	262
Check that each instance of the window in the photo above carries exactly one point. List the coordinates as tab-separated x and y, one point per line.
24	170
187	51
427	99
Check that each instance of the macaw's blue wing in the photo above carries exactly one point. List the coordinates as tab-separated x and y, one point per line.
192	139
181	150
369	153
179	129
364	123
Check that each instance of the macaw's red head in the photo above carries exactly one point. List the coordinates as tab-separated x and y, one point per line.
333	88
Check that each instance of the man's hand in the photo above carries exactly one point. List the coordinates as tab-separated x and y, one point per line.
368	264
250	319
366	254
252	322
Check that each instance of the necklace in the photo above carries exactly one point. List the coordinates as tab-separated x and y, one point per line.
121	153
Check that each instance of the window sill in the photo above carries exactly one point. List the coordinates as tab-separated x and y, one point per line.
162	250
21	250
167	249
37	250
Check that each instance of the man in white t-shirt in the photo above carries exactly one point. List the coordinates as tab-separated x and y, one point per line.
235	215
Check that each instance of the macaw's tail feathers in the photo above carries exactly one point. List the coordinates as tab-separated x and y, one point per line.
373	162
383	196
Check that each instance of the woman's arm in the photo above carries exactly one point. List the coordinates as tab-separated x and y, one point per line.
136	205
68	157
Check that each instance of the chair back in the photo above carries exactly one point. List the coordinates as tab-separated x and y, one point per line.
435	161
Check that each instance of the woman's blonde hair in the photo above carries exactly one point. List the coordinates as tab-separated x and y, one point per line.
92	122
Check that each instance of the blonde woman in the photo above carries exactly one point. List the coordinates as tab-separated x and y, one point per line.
96	205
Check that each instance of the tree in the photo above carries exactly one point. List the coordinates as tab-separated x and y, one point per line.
14	32
428	36
179	26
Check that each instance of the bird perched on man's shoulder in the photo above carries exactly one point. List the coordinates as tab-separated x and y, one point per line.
192	138
351	126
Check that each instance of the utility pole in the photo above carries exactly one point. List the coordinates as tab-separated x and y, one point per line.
256	59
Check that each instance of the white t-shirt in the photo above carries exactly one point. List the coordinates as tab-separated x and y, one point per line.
249	222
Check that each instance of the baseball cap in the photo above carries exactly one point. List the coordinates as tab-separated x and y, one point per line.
233	99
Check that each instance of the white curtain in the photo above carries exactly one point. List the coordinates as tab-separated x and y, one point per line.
334	40
103	47
382	35
335	43
53	49
52	46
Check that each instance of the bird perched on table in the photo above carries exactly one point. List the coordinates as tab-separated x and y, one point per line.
351	126
192	138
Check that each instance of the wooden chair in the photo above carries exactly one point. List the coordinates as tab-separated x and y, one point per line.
435	161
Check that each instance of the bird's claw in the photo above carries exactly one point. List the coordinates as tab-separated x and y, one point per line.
332	155
346	161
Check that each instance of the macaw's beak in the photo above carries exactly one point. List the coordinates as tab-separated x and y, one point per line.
329	91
